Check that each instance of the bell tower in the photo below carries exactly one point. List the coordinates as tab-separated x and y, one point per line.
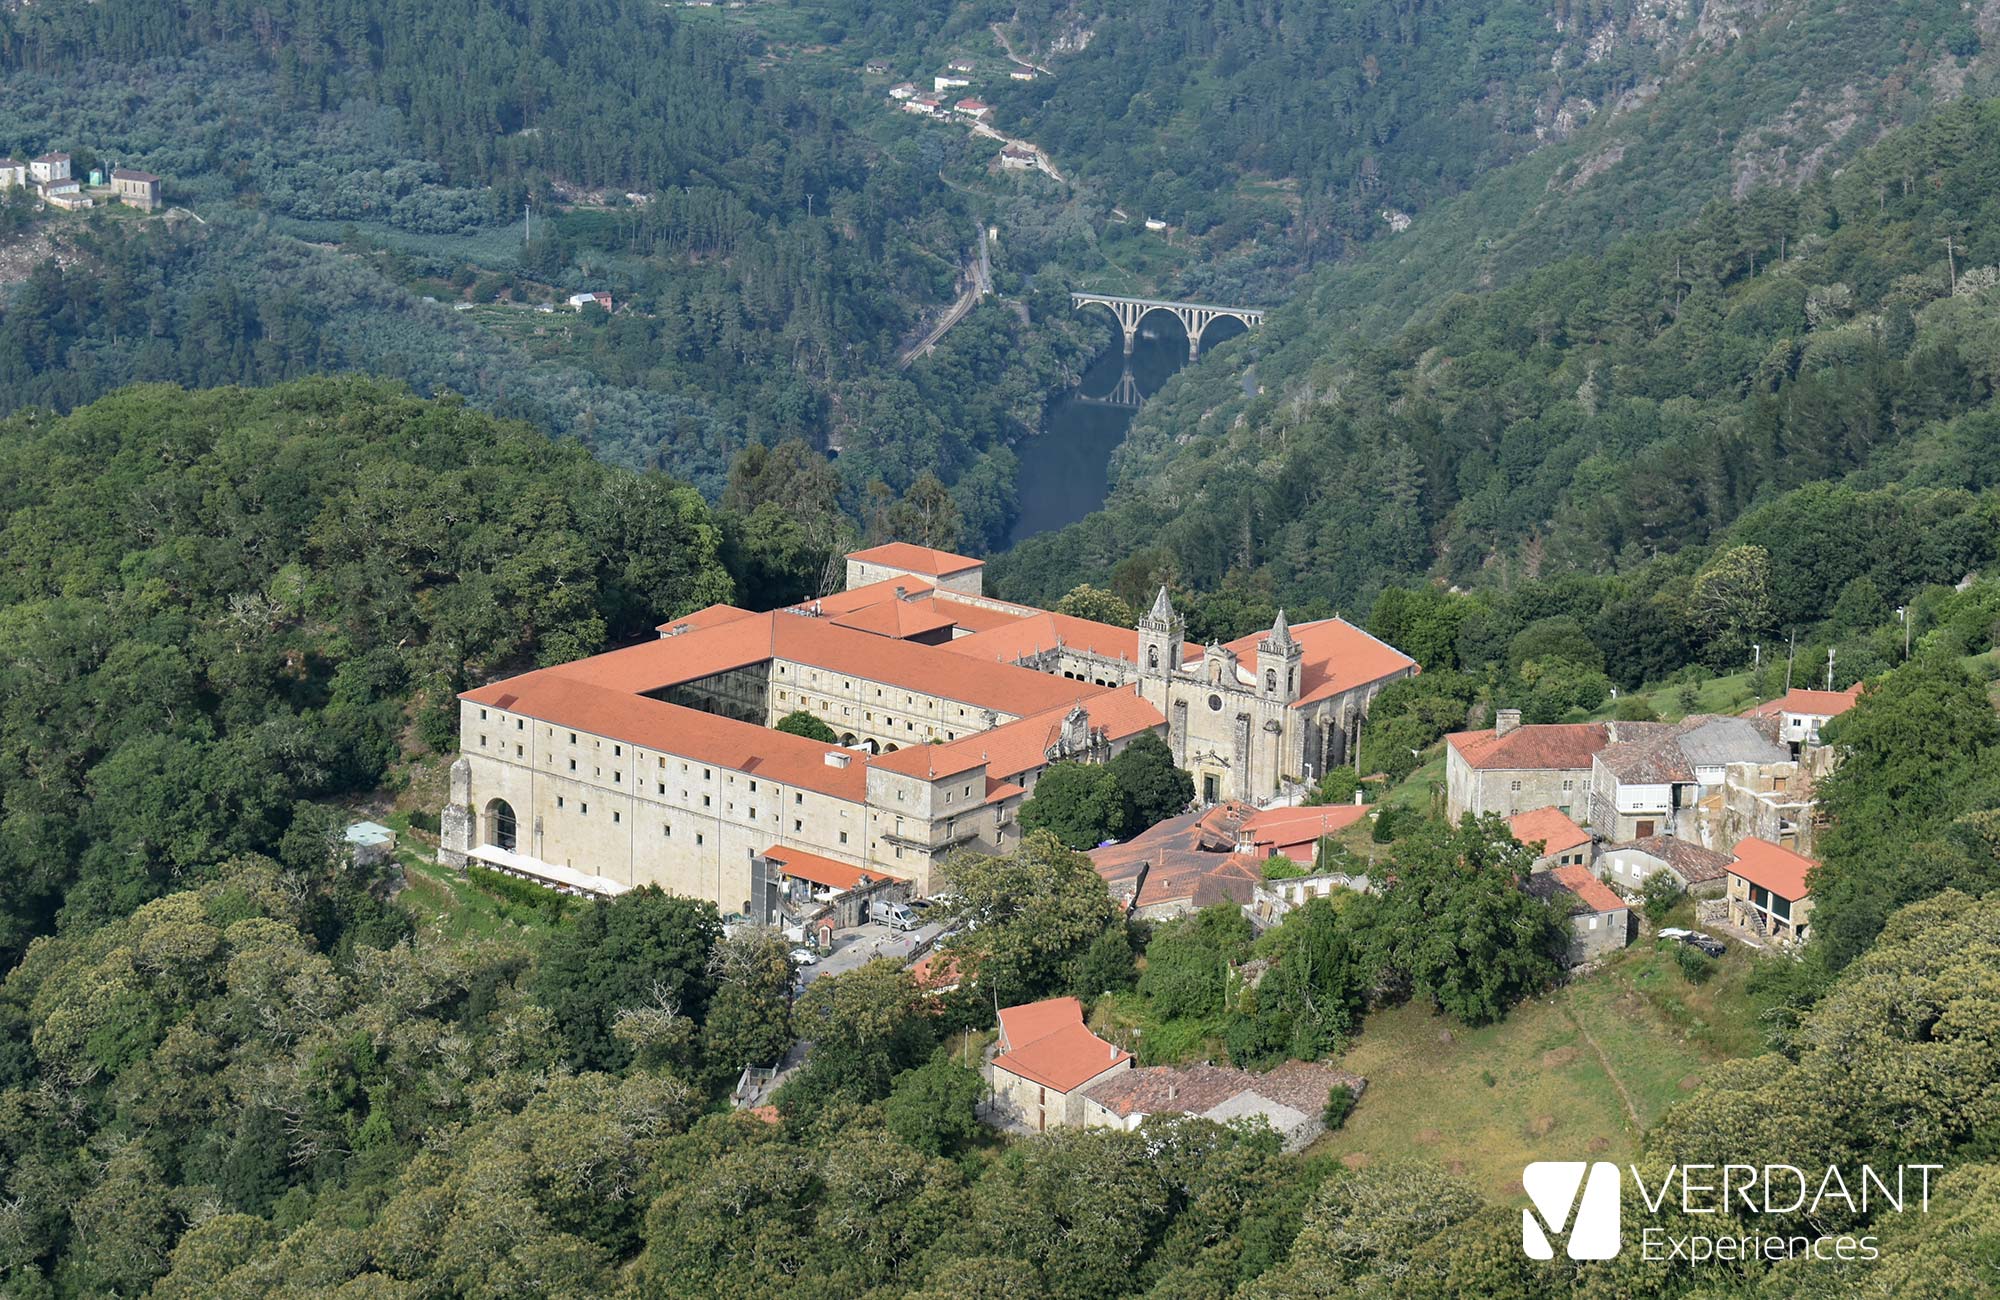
1162	632
1280	663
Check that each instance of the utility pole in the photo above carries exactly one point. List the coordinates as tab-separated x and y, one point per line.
1757	671
1829	668
1791	653
528	221
1903	615
1951	263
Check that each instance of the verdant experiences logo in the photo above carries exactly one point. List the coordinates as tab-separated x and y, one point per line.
1576	1197
1579	1205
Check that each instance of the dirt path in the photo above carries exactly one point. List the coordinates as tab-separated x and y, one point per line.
1006	47
1638	1125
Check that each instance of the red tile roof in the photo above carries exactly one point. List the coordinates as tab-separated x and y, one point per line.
1594	893
868	593
916	559
1042	630
1186	859
1818	704
1278	826
713	616
1557	746
1338	657
552	697
1048	1044
821	870
1013	748
820	643
900	619
1777	869
1555	831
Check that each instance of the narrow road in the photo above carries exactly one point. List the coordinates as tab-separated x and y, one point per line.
982	284
1000	34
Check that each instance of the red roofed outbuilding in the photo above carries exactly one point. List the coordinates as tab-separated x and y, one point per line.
1769	893
1563	842
1047	1057
1599	921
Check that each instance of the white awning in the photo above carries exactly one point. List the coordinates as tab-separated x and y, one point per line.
548	873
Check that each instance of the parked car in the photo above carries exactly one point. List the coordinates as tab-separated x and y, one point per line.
805	956
1696	939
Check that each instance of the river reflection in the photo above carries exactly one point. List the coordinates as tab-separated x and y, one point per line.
1065	470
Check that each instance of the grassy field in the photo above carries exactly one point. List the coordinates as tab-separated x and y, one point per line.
1579	1073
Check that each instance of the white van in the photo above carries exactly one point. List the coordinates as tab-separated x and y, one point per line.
897	916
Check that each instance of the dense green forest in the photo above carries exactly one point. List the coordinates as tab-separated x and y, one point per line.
771	257
1605	411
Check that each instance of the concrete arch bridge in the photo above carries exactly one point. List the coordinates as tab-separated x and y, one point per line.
1195	317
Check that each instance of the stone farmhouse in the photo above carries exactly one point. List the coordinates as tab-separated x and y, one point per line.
1513	769
1291	1098
658	763
1599	921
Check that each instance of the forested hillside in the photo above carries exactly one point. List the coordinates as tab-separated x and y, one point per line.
220	605
1605	410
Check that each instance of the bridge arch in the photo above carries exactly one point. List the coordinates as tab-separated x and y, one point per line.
1194	317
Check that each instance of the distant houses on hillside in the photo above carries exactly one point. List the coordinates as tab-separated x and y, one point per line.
50	179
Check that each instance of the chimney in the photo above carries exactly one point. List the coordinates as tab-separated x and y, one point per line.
1506	721
902	592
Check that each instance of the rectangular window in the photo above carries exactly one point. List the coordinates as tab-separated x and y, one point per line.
518	752
559	801
572	765
666	831
572	737
519	725
699	838
798	826
617	751
798	798
843	837
482	715
615	818
482	742
583	808
1515	786
753	787
662	786
707	801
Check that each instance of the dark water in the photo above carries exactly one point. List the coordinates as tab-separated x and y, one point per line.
1065	470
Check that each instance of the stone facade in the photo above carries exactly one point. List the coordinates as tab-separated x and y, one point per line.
1254	717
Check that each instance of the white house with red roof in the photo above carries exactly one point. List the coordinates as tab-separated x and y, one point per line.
1047	1059
975	109
1802	713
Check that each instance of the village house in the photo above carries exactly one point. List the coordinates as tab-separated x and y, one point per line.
947	81
578	301
1768	892
1562	843
49	167
13	173
1667	778
1020	72
1702	872
1291	1098
924	105
1511	768
1018	158
876	67
1047	1060
136	188
66	193
1271	901
960	65
903	91
1801	713
1214	855
973	109
1599	922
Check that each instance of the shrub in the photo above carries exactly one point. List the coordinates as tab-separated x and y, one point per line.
1695	964
1661	893
1339	1105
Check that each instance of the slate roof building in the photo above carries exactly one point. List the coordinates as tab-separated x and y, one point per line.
1291	1098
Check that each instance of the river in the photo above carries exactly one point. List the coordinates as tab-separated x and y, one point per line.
1066	469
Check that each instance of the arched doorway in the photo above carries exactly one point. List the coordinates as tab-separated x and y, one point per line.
500	826
847	739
